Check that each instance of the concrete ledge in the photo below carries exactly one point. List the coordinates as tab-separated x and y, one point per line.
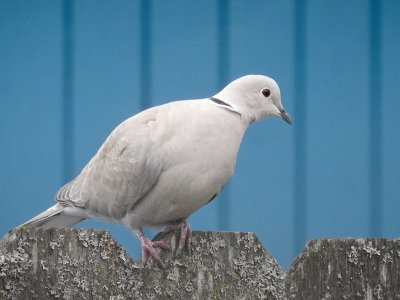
43	263
346	269
54	263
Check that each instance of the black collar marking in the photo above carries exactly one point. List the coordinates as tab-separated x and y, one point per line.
219	101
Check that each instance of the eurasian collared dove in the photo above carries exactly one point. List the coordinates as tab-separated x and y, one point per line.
158	167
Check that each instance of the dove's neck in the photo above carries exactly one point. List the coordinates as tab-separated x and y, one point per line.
236	104
225	104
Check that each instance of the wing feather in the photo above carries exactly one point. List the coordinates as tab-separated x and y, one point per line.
123	170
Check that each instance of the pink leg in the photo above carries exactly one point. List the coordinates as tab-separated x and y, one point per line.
148	247
185	238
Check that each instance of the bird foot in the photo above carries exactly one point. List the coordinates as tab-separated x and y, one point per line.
148	247
185	237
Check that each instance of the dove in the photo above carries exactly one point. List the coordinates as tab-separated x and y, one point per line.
161	165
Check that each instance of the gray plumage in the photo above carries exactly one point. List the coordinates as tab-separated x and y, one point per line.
159	166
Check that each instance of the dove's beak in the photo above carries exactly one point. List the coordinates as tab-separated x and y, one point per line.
285	116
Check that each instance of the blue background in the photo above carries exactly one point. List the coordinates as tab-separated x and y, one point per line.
70	71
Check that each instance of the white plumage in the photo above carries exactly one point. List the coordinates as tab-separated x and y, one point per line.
159	166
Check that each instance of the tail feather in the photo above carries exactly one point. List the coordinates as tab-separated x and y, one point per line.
56	216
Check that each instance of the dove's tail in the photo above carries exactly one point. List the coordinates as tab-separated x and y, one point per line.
56	216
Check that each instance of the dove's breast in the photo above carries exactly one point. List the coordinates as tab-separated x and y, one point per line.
198	157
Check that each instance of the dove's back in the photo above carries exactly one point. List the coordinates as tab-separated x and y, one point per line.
155	168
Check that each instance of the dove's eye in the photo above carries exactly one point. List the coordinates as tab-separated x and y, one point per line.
266	92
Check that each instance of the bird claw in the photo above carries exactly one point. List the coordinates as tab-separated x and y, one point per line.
185	238
148	247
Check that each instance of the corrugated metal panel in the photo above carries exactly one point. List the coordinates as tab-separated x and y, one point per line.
70	71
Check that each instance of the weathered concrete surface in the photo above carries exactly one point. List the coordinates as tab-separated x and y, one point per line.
346	269
87	264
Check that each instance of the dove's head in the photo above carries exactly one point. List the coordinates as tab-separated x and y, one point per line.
255	97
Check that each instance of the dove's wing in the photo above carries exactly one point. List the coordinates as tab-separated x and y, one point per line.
123	170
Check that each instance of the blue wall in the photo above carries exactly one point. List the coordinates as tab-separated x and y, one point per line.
70	71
